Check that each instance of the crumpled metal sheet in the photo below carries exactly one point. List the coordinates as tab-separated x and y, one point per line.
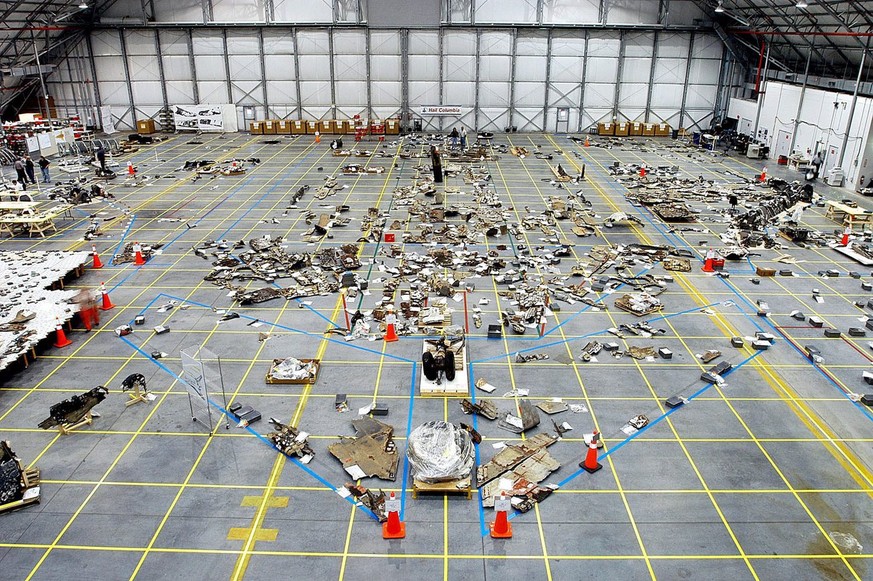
372	449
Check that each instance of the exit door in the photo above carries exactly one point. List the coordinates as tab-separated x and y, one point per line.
832	157
563	120
783	144
745	126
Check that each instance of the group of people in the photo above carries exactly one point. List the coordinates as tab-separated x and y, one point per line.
26	172
455	136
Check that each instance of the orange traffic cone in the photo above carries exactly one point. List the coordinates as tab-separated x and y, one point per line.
107	304
393	529
642	171
846	233
707	264
591	465
61	337
97	263
390	331
586	141
763	176
317	137
501	528
138	260
131	171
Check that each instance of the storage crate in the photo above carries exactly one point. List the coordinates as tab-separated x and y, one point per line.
270	127
649	129
606	129
145	126
392	126
283	127
327	126
343	126
663	130
622	129
636	129
256	127
298	128
311	127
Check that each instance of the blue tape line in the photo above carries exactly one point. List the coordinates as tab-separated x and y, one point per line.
482	528
405	480
121	243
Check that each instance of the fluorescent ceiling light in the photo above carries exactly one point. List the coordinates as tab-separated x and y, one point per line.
719	8
801	4
83	5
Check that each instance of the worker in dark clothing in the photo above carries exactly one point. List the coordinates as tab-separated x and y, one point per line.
30	169
19	169
101	158
437	164
44	168
454	135
817	162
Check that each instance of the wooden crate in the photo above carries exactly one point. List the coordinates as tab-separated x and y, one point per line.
270	127
145	126
392	126
462	486
622	129
298	128
649	129
663	130
636	129
283	127
606	129
327	126
256	127
311	127
272	380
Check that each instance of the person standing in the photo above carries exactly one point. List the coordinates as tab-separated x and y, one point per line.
44	168
19	169
101	158
817	162
463	138
30	169
454	137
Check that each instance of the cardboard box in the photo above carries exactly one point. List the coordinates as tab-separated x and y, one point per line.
298	128
344	126
663	130
256	127
283	127
622	129
606	129
327	126
311	127
636	129
649	129
270	127
145	126
392	126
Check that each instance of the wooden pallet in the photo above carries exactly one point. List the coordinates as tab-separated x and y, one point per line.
463	486
458	386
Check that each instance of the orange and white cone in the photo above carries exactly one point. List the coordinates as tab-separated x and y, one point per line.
393	528
61	337
390	331
586	141
642	171
846	234
131	171
317	137
763	176
97	263
501	527
707	264
590	464
138	260
107	304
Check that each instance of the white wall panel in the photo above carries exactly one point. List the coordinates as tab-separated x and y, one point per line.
669	70
178	10
352	93
314	67
495	68
603	44
279	67
516	12
303	10
350	66
530	68
181	92
459	94
245	92
529	43
568	43
423	42
315	93
601	70
666	95
565	95
147	93
208	42
497	42
350	42
385	67
638	44
140	42
210	68
461	42
144	68
633	12
673	45
109	68
384	42
528	94
212	91
105	43
528	119
242	42
575	12
173	42
636	70
707	46
423	93
493	119
237	11
278	42
114	93
313	42
281	92
494	95
384	94
704	72
177	68
244	67
566	69
599	95
459	68
424	67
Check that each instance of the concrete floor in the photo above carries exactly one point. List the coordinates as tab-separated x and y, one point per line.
761	478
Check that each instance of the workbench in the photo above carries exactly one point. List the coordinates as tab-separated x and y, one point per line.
38	223
849	216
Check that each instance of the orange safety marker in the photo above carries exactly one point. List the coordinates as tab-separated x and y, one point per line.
391	331
586	141
393	529
707	264
131	171
317	137
61	337
591	465
642	171
501	527
763	176
97	263
107	304
138	260
846	233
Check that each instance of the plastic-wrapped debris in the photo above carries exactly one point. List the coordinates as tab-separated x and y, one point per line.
291	368
439	451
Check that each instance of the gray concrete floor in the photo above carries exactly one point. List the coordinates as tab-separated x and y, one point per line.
758	479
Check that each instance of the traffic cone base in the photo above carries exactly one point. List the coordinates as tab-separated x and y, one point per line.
591	465
390	334
61	337
496	534
591	470
398	533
